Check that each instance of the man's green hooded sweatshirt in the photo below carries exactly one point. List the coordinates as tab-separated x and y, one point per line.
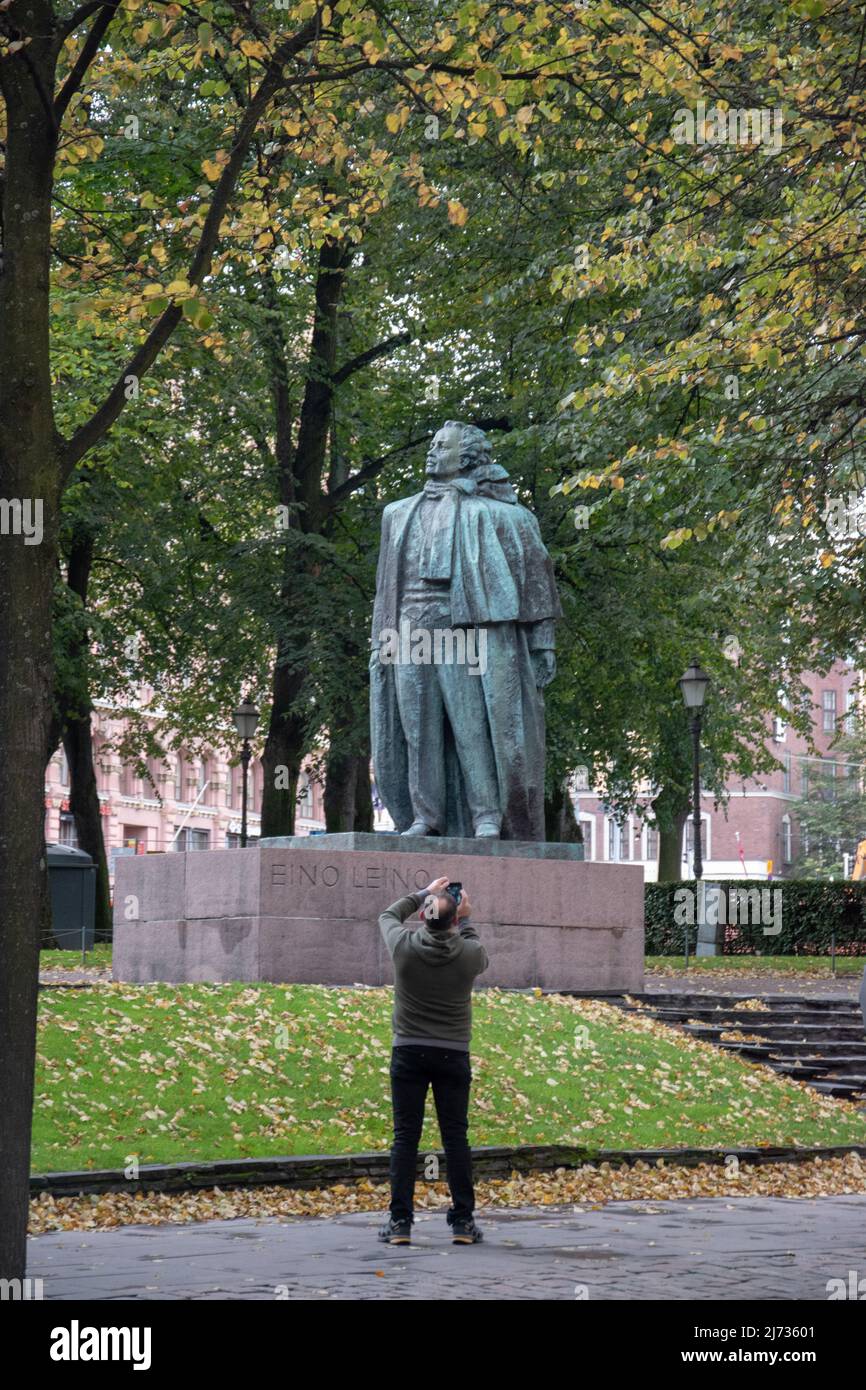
433	975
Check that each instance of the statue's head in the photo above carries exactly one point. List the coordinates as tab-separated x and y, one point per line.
457	448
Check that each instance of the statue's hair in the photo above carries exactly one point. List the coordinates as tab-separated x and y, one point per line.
475	447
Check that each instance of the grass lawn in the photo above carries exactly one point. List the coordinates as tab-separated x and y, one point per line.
759	965
98	957
179	1072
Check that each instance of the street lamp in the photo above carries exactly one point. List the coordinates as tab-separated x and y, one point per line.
693	683
246	720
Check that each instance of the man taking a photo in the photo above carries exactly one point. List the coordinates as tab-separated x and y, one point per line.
434	968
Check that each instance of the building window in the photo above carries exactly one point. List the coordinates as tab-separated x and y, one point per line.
68	834
130	783
689	839
305	797
779	727
617	840
135	838
189	839
829	704
180	778
587	825
202	789
233	839
786	773
652	844
154	778
786	839
851	715
63	769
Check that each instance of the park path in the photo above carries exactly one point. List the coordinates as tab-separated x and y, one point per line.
707	1249
753	986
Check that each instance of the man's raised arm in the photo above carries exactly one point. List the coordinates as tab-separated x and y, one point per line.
392	919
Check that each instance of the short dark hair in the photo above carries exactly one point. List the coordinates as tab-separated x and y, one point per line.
446	914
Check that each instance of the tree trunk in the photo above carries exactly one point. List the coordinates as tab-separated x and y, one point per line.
561	825
341	775
84	804
363	793
29	473
300	474
671	809
76	709
348	794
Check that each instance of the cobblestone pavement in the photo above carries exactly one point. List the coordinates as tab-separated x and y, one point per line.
714	982
709	1249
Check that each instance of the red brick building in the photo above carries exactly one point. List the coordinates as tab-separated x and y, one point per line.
759	823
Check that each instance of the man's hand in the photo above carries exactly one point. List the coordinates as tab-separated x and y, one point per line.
437	887
465	906
433	891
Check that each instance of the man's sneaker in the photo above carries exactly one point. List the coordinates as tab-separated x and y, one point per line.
465	1233
396	1232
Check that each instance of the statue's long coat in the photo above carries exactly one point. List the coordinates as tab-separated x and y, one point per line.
501	579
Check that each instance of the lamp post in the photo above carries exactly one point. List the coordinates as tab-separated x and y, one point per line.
246	720
693	683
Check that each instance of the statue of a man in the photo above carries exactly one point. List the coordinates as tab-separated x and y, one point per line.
463	643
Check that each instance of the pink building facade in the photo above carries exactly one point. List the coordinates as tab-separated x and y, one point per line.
184	803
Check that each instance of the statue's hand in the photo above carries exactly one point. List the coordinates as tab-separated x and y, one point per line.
544	667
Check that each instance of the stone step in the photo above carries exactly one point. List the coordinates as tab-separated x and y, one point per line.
793	1033
839	1090
752	1016
821	1042
689	1000
793	1048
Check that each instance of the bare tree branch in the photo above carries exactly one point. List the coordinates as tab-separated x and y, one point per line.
363	359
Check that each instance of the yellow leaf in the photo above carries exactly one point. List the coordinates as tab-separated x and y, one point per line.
210	170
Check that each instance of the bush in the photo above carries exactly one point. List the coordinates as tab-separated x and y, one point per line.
811	912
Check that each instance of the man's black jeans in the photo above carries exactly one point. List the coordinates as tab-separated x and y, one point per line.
413	1069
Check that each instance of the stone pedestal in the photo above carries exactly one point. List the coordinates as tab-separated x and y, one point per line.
305	910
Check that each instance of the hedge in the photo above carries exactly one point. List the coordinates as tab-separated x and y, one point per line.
810	912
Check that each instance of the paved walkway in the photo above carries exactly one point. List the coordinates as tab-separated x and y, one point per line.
715	982
708	1249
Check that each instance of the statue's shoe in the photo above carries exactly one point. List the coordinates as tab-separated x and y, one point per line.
420	827
487	830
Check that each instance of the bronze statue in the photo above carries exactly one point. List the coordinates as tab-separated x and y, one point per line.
463	644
